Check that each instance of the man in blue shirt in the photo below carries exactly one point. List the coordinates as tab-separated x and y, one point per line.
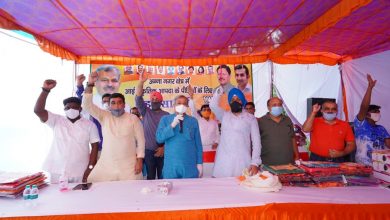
183	144
368	135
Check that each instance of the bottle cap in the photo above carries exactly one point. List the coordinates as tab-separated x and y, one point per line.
34	186
27	186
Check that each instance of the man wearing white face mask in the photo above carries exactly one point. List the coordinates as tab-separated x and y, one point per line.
369	135
183	145
124	141
69	153
277	136
331	138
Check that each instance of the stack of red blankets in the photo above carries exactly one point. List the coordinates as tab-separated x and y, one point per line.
324	174
355	169
12	184
289	175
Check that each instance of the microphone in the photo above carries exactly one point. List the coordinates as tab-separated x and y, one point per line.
181	126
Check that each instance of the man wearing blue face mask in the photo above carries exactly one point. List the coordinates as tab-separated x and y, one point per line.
331	138
277	136
124	141
69	154
369	135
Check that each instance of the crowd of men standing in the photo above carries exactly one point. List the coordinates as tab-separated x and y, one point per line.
164	145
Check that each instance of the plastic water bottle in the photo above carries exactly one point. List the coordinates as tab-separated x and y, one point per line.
63	183
27	196
34	195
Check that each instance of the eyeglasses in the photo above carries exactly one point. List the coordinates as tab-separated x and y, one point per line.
206	109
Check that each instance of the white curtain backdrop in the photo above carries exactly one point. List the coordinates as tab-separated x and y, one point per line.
24	140
261	86
296	82
354	76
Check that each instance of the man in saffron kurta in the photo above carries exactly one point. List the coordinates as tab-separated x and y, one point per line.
124	141
183	145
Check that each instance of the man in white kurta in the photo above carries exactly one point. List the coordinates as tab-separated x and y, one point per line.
69	154
209	133
124	143
239	130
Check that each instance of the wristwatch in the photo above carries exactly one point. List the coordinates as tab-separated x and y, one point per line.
90	84
90	167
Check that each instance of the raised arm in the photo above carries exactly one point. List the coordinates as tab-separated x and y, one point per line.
214	104
79	85
139	92
87	103
366	99
39	108
191	103
308	125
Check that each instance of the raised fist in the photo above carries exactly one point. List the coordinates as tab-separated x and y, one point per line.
49	84
80	79
92	78
371	82
143	77
190	91
316	108
219	90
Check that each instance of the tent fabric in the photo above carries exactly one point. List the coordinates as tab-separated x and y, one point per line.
203	32
261	85
295	83
355	80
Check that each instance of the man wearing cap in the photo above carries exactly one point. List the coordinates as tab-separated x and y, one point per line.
239	132
69	154
369	135
154	152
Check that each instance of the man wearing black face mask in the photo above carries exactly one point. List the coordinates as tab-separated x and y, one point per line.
239	132
154	152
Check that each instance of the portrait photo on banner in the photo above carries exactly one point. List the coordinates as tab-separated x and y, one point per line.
171	81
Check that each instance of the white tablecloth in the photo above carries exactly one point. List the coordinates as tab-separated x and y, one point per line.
187	194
